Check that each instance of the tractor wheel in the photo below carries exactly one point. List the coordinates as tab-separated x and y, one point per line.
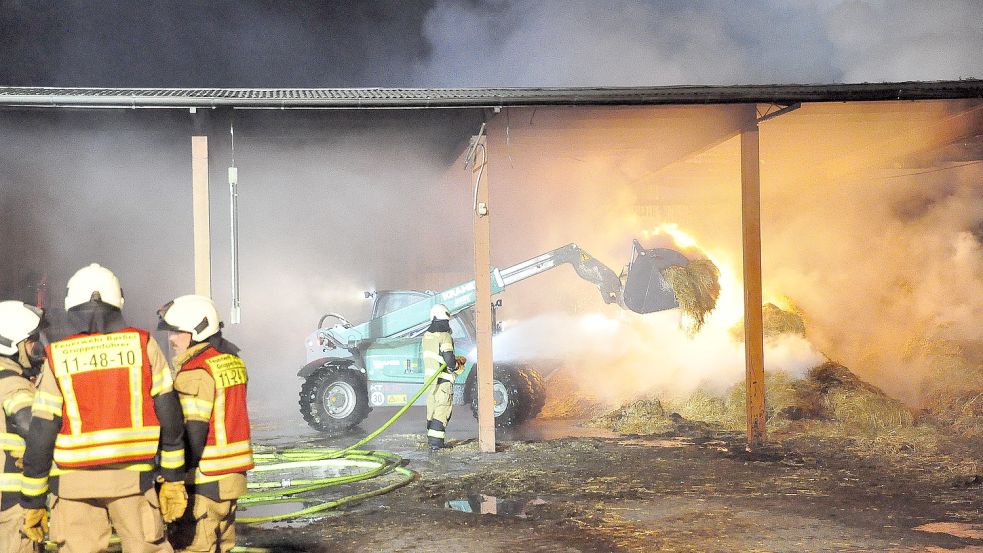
537	391
515	400
334	399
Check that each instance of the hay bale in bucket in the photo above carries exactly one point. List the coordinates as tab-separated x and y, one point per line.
697	288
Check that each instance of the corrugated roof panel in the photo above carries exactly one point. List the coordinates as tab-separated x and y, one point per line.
480	97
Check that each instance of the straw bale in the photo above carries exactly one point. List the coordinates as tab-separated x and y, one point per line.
697	287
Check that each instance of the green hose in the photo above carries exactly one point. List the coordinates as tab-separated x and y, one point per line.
377	463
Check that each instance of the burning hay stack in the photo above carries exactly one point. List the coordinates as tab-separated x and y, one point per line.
828	393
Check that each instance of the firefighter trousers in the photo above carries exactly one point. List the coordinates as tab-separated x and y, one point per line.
85	525
11	540
440	401
210	527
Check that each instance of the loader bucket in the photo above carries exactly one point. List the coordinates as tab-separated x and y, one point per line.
646	290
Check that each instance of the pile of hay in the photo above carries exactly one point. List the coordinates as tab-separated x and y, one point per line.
953	391
829	393
566	399
697	287
775	322
644	416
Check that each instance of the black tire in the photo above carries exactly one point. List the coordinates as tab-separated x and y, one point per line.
516	398
334	399
537	391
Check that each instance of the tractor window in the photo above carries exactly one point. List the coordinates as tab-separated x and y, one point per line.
389	302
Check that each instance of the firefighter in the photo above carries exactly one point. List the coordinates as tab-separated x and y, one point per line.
104	409
21	356
211	382
438	355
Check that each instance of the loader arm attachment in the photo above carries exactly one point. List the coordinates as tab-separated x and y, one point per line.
587	267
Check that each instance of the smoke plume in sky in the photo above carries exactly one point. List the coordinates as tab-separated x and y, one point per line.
466	43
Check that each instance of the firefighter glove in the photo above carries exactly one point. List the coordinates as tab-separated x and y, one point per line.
173	500
461	361
35	524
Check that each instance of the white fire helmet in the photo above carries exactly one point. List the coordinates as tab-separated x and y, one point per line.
191	313
92	280
440	312
18	322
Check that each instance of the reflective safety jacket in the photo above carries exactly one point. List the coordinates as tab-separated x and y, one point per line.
436	346
228	448
16	395
107	384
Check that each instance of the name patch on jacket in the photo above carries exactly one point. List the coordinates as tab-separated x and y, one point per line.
228	370
96	353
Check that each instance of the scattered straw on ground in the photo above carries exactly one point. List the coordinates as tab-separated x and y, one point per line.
697	287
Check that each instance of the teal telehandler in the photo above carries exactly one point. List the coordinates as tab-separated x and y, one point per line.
352	368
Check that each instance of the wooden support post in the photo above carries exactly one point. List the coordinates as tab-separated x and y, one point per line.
199	201
753	332
483	302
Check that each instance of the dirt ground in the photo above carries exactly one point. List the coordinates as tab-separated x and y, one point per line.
692	489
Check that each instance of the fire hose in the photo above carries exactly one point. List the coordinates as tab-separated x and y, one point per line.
375	463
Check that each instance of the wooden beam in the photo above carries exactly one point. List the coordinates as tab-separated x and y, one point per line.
483	302
199	201
753	331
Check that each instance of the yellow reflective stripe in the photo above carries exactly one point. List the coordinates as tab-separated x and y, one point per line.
215	465
108	437
10	482
138	467
447	376
234	448
96	453
19	400
436	433
202	478
47	403
34	486
136	396
218	414
196	408
161	382
71	404
172	459
12	443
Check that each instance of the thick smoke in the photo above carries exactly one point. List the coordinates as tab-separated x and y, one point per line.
624	43
324	216
440	43
870	224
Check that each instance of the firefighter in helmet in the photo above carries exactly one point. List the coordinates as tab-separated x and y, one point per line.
21	356
438	355
104	409
211	381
